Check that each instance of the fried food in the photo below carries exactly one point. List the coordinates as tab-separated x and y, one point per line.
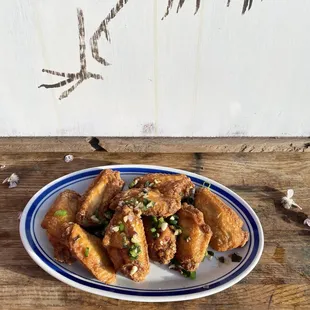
150	201
226	225
160	239
126	244
89	251
61	251
97	198
56	221
172	185
193	242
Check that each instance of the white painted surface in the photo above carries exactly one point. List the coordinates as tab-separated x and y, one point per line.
217	73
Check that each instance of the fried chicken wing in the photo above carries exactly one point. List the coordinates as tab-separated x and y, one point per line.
160	239
150	201
193	242
61	251
96	199
126	244
56	221
226	225
171	185
89	251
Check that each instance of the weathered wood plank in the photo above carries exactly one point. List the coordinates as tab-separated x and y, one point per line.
154	144
281	280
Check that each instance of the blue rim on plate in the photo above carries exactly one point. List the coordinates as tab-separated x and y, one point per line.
60	272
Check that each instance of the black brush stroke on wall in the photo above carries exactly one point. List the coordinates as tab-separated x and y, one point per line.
83	74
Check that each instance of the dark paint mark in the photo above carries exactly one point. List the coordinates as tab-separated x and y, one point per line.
250	5
94	142
148	129
179	7
59	84
104	29
245	6
83	74
197	6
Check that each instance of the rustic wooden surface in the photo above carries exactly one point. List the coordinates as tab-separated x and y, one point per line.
281	280
151	144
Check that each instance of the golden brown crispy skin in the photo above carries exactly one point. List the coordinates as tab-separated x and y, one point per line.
171	185
163	248
56	222
61	251
226	225
192	244
89	251
120	241
97	197
150	201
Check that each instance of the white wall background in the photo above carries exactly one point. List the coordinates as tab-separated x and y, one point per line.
218	73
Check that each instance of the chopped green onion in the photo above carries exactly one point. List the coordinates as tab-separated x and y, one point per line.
60	213
125	241
153	229
173	222
147	184
192	275
133	184
188	274
130	201
121	227
134	251
86	252
108	214
145	201
210	253
160	221
235	258
204	185
154	219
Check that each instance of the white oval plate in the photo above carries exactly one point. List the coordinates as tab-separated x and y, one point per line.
162	284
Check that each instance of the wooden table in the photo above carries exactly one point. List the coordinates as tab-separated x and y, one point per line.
281	280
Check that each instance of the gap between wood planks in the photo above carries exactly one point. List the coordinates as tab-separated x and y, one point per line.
153	144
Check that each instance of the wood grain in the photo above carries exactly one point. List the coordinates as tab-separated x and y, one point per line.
153	144
281	280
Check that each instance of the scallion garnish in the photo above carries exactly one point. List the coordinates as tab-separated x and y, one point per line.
86	252
210	253
60	213
134	251
108	214
121	227
235	258
133	184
